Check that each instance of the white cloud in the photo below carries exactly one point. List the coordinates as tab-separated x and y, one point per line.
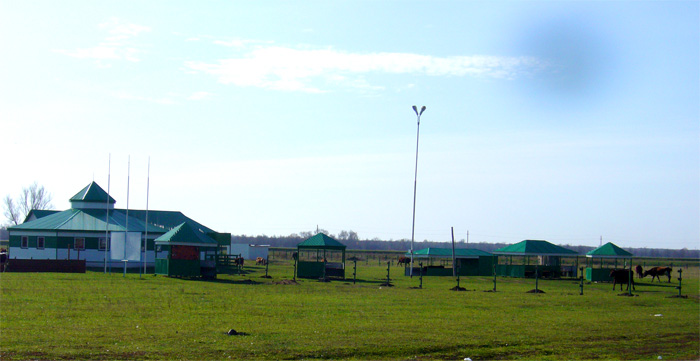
115	46
128	96
308	70
199	95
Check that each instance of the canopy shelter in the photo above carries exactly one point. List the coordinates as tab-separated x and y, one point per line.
321	256
469	262
607	256
547	259
186	252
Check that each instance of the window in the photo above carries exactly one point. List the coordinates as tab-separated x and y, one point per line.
103	244
79	244
40	241
25	242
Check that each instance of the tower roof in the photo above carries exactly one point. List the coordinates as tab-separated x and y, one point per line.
93	193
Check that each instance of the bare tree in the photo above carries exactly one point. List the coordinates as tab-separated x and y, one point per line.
11	211
32	197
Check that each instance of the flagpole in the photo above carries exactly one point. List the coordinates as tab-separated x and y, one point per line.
126	234
109	173
145	241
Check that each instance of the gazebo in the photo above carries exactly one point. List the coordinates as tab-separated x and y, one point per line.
547	257
470	262
609	252
186	252
321	256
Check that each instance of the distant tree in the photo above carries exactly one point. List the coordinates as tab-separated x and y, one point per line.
32	197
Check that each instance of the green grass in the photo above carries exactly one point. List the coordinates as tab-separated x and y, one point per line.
97	316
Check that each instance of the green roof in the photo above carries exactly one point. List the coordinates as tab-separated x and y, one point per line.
39	213
447	253
609	250
535	248
321	241
185	235
92	193
93	220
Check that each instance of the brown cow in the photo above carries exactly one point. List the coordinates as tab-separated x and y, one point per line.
622	276
639	271
260	260
403	260
655	272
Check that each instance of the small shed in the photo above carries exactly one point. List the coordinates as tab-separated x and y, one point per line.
249	251
547	259
186	252
321	256
470	262
607	256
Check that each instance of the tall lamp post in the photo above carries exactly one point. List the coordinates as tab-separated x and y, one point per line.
415	183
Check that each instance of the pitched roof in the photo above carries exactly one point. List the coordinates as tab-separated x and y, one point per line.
609	250
39	213
94	220
536	248
185	235
321	241
92	193
447	253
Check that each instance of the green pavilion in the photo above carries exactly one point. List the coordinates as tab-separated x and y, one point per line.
604	259
321	257
525	258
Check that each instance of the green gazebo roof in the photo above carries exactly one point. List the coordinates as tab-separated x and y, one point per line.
185	235
321	241
447	253
609	250
92	193
530	247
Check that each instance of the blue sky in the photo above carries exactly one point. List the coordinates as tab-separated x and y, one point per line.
564	121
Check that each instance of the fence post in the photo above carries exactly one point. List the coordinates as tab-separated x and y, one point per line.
354	270
680	281
388	266
420	264
581	281
494	277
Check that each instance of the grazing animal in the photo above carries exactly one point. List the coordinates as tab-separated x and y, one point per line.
656	272
622	276
260	260
403	260
238	261
295	256
639	271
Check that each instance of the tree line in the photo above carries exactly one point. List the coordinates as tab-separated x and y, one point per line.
352	241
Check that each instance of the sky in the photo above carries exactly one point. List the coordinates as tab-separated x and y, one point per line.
569	121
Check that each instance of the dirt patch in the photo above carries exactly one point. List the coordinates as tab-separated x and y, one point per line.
678	296
457	288
627	294
535	291
385	284
285	282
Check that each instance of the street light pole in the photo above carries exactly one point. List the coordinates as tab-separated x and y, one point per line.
415	183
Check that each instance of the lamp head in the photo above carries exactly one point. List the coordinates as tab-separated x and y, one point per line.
415	109
422	110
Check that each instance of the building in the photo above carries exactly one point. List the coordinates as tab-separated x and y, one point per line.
82	232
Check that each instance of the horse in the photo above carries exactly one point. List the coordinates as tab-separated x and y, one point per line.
403	260
656	272
622	276
639	271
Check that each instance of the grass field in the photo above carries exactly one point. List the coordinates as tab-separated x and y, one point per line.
96	316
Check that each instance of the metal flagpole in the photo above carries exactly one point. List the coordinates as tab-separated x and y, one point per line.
415	185
145	241
126	234
109	171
